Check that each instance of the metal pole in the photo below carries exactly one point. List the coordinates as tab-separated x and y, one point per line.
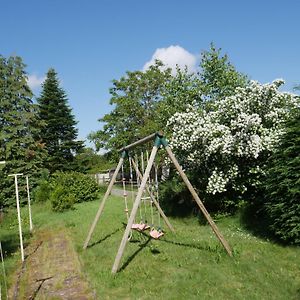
19	214
29	206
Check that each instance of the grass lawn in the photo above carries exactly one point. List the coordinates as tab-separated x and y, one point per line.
190	264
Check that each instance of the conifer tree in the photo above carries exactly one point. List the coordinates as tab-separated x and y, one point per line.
282	185
19	133
59	131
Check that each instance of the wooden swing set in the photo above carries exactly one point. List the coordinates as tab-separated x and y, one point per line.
159	142
152	198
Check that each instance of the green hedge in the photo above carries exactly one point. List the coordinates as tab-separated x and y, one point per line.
83	187
282	186
60	199
64	189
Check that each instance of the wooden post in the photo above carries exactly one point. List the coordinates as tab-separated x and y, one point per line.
19	214
101	207
153	198
134	211
29	206
199	202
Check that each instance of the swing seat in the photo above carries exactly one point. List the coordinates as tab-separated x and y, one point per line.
140	226
143	227
135	226
156	234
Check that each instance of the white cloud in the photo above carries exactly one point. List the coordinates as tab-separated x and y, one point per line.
34	81
172	56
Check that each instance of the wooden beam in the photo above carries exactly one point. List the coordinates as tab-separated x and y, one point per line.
139	142
153	198
102	204
199	202
134	211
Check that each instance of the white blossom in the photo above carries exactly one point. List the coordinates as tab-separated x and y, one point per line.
241	127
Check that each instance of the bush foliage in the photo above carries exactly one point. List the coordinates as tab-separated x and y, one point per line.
42	191
175	199
227	143
61	199
66	188
282	186
83	187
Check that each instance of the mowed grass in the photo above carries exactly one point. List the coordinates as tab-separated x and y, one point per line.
190	264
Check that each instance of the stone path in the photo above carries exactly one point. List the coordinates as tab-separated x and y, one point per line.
51	270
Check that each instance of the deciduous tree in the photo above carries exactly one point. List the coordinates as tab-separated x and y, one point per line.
227	144
134	115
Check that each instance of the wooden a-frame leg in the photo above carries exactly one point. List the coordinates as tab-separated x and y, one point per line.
102	204
199	202
134	211
153	198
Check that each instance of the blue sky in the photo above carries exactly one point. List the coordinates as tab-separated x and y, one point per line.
90	43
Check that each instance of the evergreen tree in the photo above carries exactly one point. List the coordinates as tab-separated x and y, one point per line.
59	131
19	145
282	185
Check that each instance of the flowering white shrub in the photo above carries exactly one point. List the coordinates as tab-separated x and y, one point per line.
234	135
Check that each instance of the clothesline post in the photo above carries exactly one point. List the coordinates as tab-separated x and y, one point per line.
19	213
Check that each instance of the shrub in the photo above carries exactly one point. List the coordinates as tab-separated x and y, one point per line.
226	144
175	199
67	188
282	186
60	200
42	192
83	187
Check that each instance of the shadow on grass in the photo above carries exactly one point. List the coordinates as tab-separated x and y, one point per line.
11	243
255	220
104	238
215	249
130	259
